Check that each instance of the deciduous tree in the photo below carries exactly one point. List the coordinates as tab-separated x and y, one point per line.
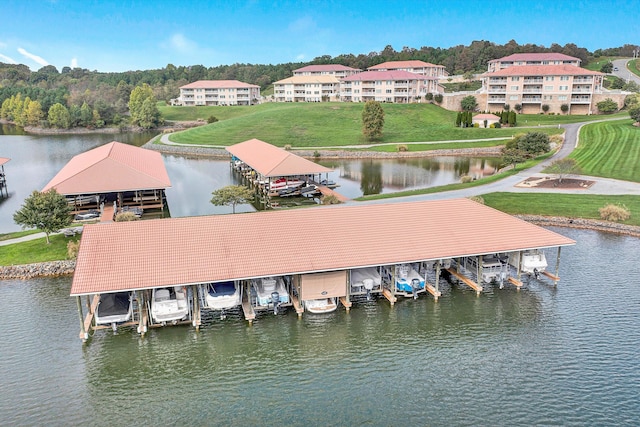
142	107
564	167
48	211
372	120
232	195
59	116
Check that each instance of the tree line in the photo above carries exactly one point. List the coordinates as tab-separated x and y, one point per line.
106	95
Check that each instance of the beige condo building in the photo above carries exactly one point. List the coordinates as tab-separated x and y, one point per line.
386	86
218	92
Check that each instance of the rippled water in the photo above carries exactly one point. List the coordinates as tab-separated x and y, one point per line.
538	356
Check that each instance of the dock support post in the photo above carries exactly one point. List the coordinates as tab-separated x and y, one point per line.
437	280
85	335
142	324
196	308
555	282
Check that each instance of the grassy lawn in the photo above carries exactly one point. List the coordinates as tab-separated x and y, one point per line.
596	63
17	234
633	66
610	150
304	125
564	205
36	250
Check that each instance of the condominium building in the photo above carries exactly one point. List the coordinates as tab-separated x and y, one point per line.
519	59
218	92
307	88
534	86
386	86
413	66
336	70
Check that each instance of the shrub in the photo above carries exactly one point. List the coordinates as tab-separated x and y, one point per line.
429	96
438	98
613	212
496	125
316	154
287	147
564	108
477	199
212	119
72	249
607	106
493	125
465	179
518	107
330	200
126	216
403	147
476	125
545	108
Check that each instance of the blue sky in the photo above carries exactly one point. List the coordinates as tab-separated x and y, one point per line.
139	35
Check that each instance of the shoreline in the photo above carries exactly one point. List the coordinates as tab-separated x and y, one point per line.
65	268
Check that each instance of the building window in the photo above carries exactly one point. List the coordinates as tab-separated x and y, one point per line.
548	88
564	88
514	87
549	78
562	97
515	78
564	78
513	98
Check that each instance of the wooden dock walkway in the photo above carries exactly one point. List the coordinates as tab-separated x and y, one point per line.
108	213
326	191
515	282
249	312
296	304
473	285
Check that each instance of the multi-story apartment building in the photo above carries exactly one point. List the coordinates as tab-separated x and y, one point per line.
386	86
413	66
336	70
218	92
518	59
307	88
533	86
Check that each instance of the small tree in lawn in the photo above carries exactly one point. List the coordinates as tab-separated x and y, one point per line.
607	106
438	98
513	156
232	195
634	113
518	107
564	167
48	211
372	120
534	143
545	108
564	108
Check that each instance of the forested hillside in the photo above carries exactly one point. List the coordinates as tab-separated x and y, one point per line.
106	95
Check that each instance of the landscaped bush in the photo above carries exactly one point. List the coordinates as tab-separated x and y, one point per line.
613	212
465	179
402	148
212	119
72	249
330	200
477	199
287	147
126	216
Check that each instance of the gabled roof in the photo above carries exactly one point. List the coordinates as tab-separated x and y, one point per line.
112	167
390	65
321	79
486	116
543	56
543	70
3	160
271	161
324	67
386	75
217	84
181	251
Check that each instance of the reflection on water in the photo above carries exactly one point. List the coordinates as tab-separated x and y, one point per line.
541	355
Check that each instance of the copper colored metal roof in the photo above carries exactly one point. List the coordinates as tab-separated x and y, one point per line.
112	167
386	75
404	64
146	254
548	56
3	160
544	70
217	84
271	161
324	67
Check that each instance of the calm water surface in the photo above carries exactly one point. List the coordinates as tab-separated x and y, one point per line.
538	356
36	159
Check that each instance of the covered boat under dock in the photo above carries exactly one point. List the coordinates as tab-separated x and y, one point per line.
422	239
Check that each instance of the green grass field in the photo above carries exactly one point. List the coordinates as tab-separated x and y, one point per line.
36	250
304	125
563	205
610	150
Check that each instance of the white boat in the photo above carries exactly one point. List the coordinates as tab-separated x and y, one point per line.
169	304
283	183
114	308
268	288
365	280
534	262
323	305
222	295
408	281
493	270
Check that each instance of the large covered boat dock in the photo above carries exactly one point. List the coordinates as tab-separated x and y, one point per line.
318	251
112	178
4	192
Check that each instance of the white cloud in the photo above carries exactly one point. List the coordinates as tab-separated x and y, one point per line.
35	58
304	24
182	44
6	59
74	63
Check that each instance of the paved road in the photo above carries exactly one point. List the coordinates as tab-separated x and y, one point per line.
623	72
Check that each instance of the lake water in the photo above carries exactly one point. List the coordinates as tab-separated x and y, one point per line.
543	355
36	159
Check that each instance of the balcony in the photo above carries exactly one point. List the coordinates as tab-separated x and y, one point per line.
497	99
532	90
498	80
533	80
497	89
582	99
531	99
583	79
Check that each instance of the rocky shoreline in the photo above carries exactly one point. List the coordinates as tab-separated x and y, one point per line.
220	153
60	268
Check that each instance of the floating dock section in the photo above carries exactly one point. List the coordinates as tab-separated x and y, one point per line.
333	252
